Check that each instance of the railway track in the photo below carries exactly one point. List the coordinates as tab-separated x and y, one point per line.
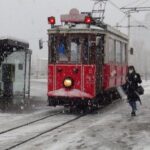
29	123
44	132
23	130
27	138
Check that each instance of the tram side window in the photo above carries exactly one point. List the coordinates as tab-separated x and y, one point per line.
123	53
92	57
92	49
118	52
85	51
52	54
111	50
126	54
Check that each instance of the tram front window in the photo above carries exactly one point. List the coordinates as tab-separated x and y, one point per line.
71	48
68	49
75	50
62	50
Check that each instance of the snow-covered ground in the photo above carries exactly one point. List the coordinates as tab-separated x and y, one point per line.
38	91
111	129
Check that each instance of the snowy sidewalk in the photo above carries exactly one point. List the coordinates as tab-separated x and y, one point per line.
112	129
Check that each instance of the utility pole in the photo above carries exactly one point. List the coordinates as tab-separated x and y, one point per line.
128	11
129	26
129	23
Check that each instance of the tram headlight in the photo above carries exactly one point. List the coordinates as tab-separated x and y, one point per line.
68	82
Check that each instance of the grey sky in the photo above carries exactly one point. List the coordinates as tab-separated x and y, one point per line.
27	19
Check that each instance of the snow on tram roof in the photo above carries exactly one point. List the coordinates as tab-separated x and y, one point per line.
74	28
75	22
83	28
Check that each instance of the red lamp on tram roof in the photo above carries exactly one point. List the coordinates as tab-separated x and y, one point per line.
88	20
51	20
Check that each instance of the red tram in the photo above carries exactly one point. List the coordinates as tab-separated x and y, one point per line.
87	61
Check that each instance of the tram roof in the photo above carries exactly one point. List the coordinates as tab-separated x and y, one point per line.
82	28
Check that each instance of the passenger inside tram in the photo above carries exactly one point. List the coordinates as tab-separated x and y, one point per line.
74	50
61	51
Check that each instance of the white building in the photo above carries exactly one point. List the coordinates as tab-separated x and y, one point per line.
140	41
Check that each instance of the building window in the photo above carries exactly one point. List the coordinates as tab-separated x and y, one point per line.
20	66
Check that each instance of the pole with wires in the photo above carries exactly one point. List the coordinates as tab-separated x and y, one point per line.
128	11
129	26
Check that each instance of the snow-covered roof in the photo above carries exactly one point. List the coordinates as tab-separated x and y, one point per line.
84	28
75	22
75	28
14	42
13	38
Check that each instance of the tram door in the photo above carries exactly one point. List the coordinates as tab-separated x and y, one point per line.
99	61
8	75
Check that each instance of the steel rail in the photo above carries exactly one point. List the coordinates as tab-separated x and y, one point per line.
29	123
44	132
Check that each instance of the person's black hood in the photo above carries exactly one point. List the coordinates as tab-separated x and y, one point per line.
131	67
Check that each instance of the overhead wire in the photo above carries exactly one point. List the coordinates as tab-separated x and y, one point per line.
117	7
129	4
141	23
146	27
120	21
142	3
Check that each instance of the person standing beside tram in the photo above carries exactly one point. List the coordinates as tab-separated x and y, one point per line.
131	86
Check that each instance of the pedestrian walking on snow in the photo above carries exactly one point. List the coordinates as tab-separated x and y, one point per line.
133	80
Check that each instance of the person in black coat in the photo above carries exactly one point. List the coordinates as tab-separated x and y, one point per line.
132	81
